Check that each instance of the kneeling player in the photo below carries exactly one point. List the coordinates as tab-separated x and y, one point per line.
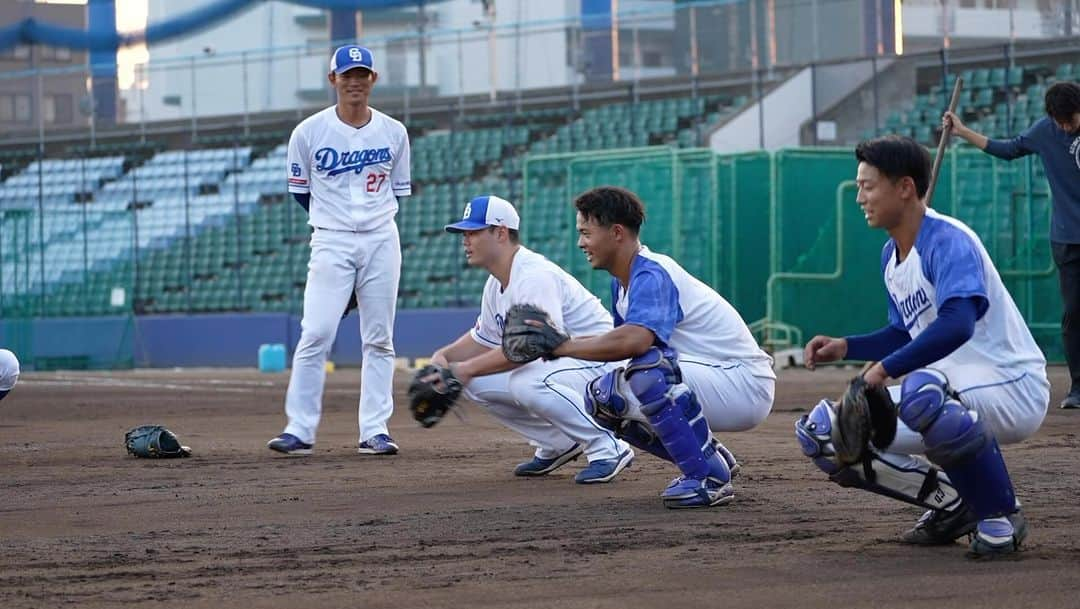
540	400
974	375
693	367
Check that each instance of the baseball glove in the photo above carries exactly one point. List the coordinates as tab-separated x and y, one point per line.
865	415
524	342
430	400
154	442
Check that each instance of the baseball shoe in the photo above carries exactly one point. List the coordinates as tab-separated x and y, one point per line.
380	444
1071	402
603	470
998	536
692	493
941	527
728	457
290	445
541	467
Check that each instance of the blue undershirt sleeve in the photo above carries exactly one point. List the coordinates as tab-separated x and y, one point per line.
953	327
303	198
876	345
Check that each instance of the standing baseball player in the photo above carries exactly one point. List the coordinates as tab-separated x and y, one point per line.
541	400
348	164
9	372
974	375
1056	139
693	365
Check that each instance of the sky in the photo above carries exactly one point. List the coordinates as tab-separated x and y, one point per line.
130	17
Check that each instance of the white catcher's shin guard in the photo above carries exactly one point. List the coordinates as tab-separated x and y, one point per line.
908	478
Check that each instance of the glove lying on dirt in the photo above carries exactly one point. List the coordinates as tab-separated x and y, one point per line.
154	442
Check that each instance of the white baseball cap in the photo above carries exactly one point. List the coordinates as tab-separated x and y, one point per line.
485	211
351	56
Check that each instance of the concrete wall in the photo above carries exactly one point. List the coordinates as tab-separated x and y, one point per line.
787	107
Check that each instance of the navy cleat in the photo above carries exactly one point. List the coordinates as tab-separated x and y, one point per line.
541	467
998	536
604	470
941	527
290	445
690	493
1071	401
380	444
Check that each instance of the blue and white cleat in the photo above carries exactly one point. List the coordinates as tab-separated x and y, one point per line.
692	493
380	444
604	470
290	445
998	536
541	467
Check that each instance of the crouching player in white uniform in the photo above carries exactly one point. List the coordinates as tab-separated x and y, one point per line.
975	376
694	366
540	400
9	372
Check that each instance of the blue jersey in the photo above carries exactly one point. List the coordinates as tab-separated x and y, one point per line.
948	261
685	314
1060	154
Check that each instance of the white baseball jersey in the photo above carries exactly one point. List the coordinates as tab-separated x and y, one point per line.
949	261
536	280
685	314
1000	371
543	400
354	174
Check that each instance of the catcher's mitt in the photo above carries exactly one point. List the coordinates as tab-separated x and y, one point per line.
865	415
523	342
430	400
154	442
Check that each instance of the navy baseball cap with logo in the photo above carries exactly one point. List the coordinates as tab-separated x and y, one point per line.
485	211
351	56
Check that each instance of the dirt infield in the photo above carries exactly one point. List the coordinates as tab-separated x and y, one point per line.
445	524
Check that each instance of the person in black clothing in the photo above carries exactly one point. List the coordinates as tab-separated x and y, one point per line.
1056	139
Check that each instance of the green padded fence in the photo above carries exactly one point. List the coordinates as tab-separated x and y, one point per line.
781	236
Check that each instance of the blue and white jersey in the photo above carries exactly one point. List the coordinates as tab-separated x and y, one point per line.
685	314
949	261
354	175
536	280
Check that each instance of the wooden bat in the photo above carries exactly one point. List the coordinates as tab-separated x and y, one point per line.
943	143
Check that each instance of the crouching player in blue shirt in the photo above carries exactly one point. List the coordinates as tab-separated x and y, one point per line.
972	373
693	367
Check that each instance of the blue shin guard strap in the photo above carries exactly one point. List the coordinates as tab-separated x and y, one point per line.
640	436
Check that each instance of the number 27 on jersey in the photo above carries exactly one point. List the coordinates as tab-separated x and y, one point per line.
375	181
